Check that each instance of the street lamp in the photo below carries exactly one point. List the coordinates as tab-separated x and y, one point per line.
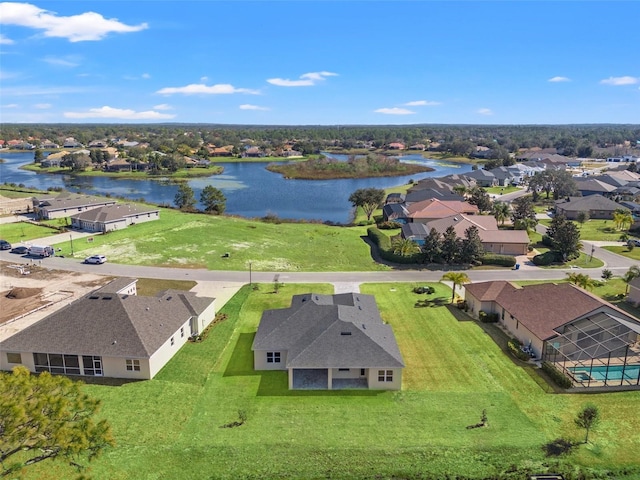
71	239
593	249
250	273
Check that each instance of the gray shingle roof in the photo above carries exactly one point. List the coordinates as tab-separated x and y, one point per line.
109	325
591	202
112	213
330	331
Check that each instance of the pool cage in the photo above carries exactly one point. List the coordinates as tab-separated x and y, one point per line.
597	351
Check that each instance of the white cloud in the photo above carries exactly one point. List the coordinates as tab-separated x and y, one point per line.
36	90
75	28
120	113
200	88
42	106
617	81
163	106
146	76
5	41
484	111
305	80
422	103
69	61
10	105
559	79
248	106
394	111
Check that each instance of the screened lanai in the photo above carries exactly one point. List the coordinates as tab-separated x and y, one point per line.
599	350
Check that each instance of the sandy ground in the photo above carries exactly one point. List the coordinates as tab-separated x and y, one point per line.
46	290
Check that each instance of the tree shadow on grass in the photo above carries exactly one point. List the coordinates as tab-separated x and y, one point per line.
276	382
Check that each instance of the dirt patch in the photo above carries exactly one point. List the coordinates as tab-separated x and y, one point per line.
19	301
22	292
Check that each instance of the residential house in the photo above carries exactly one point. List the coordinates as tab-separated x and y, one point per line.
396	146
503	176
594	186
71	142
418	146
633	297
483	178
395	198
253	152
588	339
66	204
433	209
395	212
494	240
428	193
113	217
597	206
111	332
329	342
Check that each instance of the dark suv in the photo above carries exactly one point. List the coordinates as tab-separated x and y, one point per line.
4	245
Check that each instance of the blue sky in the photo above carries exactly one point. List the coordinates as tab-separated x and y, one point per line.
320	63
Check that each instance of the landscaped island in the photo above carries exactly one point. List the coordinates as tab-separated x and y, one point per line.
325	168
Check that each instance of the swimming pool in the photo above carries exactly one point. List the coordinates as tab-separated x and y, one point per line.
603	373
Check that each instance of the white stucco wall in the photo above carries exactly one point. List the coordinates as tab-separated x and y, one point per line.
374	384
161	356
260	360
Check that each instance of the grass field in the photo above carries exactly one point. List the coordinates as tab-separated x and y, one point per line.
170	427
15	233
200	241
597	230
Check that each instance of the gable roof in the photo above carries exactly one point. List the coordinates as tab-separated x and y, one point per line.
110	325
594	185
329	331
72	200
113	213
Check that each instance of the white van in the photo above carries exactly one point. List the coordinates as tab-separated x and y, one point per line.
40	251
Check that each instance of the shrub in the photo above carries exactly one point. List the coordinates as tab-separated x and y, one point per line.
546	258
516	351
384	246
488	317
389	225
496	259
547	241
556	375
422	290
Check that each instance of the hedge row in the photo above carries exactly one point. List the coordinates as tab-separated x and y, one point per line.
514	348
488	317
556	375
496	259
384	247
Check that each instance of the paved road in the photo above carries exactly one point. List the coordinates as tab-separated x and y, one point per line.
616	263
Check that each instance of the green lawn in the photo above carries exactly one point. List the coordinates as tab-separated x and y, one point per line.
501	190
625	252
169	427
200	241
15	233
597	230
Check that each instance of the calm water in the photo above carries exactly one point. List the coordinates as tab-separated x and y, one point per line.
250	189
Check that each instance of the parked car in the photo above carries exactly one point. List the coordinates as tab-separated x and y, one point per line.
4	245
634	242
21	250
41	251
96	259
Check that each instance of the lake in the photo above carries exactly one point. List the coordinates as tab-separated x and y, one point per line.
251	190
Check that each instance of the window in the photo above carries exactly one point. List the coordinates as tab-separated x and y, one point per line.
92	365
273	357
14	358
181	332
172	341
362	372
343	369
133	365
56	363
385	375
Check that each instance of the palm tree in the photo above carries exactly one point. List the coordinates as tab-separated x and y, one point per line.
405	247
500	211
458	279
460	190
627	220
582	280
633	272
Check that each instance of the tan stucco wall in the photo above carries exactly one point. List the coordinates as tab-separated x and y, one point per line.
117	368
352	373
374	384
260	360
506	248
26	357
206	317
522	333
167	351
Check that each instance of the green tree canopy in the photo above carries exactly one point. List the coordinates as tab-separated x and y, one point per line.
432	247
185	198
368	199
587	418
479	197
471	248
213	200
522	209
47	417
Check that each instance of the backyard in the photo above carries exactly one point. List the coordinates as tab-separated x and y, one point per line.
170	427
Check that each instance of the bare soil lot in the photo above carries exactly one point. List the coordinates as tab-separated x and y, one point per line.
33	288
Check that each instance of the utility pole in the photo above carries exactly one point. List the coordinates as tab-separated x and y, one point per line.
71	238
